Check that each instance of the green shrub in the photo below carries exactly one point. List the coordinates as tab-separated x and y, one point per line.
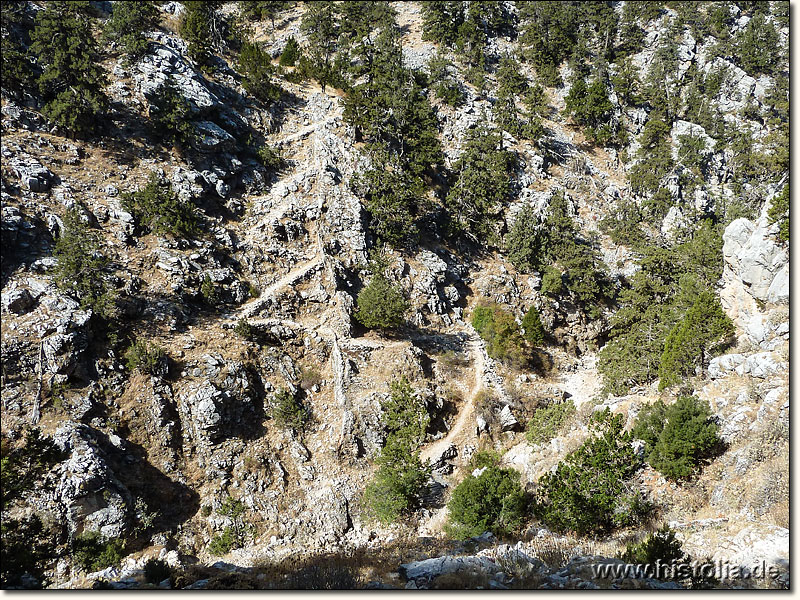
661	545
95	552
677	437
485	458
532	324
81	266
590	490
501	333
494	501
245	330
288	411
381	305
146	358
156	571
222	543
157	208
208	291
271	158
170	114
290	54
548	421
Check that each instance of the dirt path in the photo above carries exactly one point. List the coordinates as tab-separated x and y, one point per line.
465	416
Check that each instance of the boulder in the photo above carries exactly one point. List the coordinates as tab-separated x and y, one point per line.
32	174
507	419
212	138
423	572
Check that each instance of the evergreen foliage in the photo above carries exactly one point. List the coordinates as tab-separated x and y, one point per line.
533	245
381	305
263	9
532	324
72	79
202	30
482	185
654	301
146	358
779	213
401	476
320	24
493	501
208	291
590	108
661	545
393	197
95	552
702	330
170	114
677	437
256	68
547	422
157	208
288	411
501	333
590	491
17	73
445	84
81	266
130	20
290	54
756	46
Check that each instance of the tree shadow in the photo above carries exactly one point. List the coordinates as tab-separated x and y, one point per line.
174	501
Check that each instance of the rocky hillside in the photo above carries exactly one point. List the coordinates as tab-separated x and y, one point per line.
344	294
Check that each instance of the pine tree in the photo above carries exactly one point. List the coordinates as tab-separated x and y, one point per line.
401	476
532	324
290	54
590	490
757	46
779	212
482	184
80	270
392	196
705	326
381	305
129	21
72	79
202	30
16	74
441	21
256	68
320	24
170	113
263	9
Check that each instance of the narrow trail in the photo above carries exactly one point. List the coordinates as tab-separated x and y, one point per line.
254	306
467	411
